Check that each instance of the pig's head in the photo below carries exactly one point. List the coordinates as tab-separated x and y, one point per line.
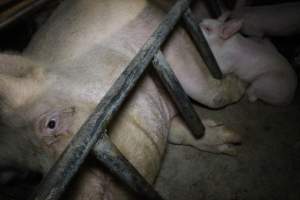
217	31
36	122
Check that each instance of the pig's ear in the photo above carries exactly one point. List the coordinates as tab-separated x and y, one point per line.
230	28
19	85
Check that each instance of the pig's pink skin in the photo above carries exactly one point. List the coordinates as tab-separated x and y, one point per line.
256	61
71	63
270	20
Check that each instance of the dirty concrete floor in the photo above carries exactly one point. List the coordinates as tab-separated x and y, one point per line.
267	167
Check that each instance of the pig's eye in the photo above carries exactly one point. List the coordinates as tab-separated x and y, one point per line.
51	124
55	123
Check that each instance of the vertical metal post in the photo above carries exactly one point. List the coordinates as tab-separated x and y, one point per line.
197	35
178	95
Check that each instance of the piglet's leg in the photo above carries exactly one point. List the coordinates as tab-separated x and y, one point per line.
217	138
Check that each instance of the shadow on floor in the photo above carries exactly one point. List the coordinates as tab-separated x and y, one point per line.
267	167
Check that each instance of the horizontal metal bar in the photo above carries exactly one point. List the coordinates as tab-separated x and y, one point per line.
68	164
108	154
19	10
178	95
197	35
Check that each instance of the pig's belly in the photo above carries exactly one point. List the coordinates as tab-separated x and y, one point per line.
141	128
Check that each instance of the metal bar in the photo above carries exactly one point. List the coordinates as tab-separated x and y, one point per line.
108	154
178	95
68	164
19	10
197	35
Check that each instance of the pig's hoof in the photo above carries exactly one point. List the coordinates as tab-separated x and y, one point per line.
217	138
239	91
236	89
222	100
219	101
230	90
233	88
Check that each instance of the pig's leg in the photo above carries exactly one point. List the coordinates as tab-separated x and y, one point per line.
217	138
194	76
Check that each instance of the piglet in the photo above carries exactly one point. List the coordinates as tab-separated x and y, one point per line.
255	61
272	20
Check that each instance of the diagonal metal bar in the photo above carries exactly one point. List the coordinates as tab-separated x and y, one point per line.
19	10
108	154
68	164
197	35
178	95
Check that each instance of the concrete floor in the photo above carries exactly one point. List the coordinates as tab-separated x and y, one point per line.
267	167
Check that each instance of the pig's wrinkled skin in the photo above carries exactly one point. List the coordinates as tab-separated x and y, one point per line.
257	62
49	91
271	20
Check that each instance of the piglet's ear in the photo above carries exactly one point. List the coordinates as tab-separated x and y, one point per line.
230	28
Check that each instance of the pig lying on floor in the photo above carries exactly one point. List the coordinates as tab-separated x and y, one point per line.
48	92
255	61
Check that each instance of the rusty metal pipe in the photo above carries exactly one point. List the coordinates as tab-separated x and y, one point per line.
181	100
201	44
108	154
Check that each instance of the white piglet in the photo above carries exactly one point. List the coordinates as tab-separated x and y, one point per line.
255	61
